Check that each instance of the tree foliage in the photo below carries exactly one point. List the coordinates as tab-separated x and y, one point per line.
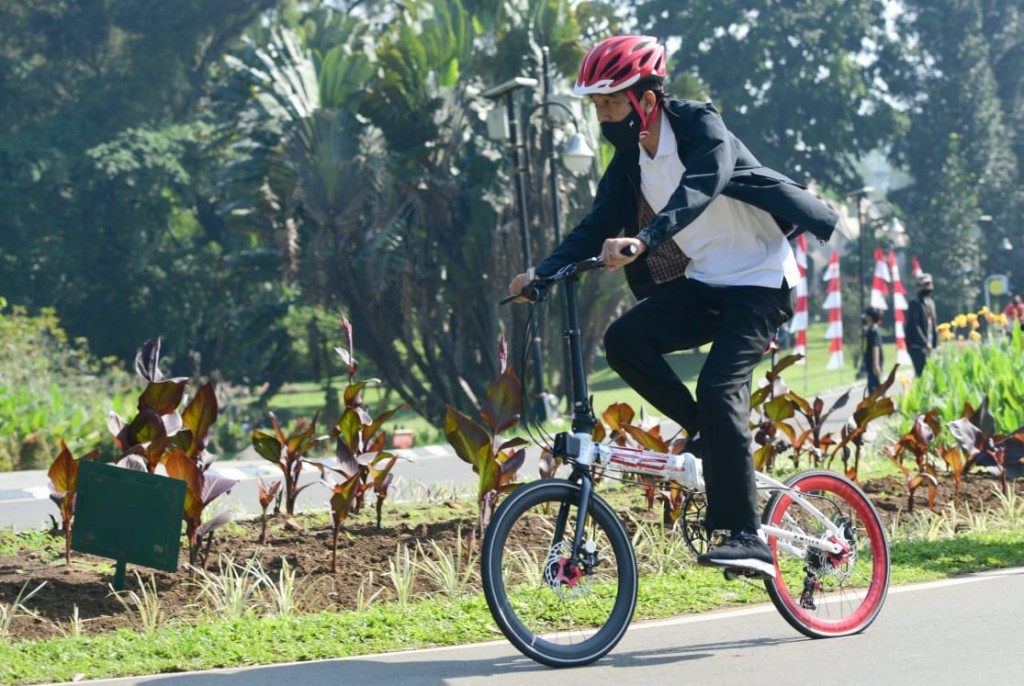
957	148
798	81
229	176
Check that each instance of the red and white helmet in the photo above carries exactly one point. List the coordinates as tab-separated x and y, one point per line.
619	62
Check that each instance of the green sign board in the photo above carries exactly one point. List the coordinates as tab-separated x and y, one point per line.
129	516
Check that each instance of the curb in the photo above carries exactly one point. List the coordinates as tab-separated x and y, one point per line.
35	484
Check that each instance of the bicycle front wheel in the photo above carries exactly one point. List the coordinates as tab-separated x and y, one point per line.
557	610
823	594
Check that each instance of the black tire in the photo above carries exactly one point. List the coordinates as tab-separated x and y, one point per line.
548	619
824	596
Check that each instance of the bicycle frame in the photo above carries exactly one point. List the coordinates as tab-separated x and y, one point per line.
832	581
579	450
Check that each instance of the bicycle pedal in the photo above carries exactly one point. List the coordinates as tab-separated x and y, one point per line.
743	574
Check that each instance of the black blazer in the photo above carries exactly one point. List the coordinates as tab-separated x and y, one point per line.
716	163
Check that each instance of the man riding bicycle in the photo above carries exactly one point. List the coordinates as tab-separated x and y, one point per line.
711	263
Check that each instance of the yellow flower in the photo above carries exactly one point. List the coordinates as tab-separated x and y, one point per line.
983	310
975	336
1002	320
944	326
960	321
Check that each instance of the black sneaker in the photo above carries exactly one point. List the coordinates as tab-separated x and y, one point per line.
744	551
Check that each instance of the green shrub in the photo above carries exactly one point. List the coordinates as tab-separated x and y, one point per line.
962	372
51	389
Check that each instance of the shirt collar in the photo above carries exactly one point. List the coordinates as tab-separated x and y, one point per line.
666	142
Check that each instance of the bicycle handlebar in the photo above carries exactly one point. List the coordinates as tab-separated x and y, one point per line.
534	290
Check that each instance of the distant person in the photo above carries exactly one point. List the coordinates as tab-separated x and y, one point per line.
1014	312
921	332
872	353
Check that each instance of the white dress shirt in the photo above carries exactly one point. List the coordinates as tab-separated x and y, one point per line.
731	243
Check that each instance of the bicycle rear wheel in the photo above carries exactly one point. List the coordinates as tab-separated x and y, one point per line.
553	611
821	594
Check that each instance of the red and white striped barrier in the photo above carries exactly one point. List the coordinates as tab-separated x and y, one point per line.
799	324
834	305
899	307
880	282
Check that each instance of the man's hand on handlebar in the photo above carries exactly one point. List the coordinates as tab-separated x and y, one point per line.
517	285
618	252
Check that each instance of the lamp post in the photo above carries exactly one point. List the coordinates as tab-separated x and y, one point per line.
858	196
507	90
504	123
577	158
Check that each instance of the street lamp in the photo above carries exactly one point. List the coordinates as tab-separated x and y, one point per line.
494	125
504	123
858	196
577	157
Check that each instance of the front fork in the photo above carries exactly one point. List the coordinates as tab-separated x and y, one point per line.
580	552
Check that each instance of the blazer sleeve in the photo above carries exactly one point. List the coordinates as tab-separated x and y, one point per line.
607	218
709	156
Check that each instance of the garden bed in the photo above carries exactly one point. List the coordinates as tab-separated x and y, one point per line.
305	542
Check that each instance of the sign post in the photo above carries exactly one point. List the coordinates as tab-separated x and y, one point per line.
129	516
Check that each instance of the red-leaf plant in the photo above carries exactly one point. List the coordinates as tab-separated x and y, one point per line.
158	428
201	489
495	460
359	438
160	435
668	492
975	431
267	493
810	439
63	475
874	406
773	405
287	453
918	443
343	492
954	459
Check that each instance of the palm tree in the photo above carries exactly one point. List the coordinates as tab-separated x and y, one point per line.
365	164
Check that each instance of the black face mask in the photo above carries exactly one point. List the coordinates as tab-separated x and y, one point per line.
625	134
925	292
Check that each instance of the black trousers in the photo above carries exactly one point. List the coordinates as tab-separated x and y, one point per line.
919	356
739	322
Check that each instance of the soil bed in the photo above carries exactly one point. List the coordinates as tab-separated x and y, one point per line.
305	542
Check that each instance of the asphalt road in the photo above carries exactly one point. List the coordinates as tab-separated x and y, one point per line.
947	633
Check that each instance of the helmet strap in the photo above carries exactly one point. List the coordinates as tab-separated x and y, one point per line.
645	119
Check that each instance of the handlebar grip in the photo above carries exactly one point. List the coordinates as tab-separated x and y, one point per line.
531	291
628	251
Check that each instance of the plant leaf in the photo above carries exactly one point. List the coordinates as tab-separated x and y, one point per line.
217	522
504	404
162	396
199	416
147	361
466	436
967	434
645	439
266	446
63	472
617	415
181	466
